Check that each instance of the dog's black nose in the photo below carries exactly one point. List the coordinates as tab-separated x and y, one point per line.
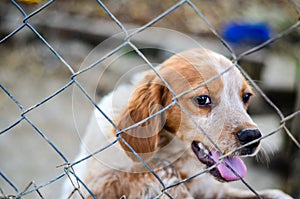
247	135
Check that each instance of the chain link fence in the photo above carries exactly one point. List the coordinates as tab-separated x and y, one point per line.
22	117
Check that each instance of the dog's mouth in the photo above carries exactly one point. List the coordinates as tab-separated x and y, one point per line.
230	169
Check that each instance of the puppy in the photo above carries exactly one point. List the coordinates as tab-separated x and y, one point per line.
168	133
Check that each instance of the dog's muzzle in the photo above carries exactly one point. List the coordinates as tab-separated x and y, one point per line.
248	135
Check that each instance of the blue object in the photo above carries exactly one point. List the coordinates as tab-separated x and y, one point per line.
246	33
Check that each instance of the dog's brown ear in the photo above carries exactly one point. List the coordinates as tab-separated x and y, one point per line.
145	101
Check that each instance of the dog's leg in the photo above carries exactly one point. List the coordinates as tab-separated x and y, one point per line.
205	187
221	191
245	194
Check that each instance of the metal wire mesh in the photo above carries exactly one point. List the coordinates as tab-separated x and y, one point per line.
67	168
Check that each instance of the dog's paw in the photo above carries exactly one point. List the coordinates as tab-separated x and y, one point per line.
274	194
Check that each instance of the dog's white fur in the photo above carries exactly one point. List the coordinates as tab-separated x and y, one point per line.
164	142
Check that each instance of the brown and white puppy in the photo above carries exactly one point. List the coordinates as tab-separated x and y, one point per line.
187	133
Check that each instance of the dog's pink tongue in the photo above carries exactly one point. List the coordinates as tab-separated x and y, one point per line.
235	163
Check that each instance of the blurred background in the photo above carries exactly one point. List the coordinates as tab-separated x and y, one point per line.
81	32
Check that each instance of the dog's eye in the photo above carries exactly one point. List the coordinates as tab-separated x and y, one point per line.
203	100
246	97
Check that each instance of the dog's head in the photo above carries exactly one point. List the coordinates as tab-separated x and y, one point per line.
209	112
